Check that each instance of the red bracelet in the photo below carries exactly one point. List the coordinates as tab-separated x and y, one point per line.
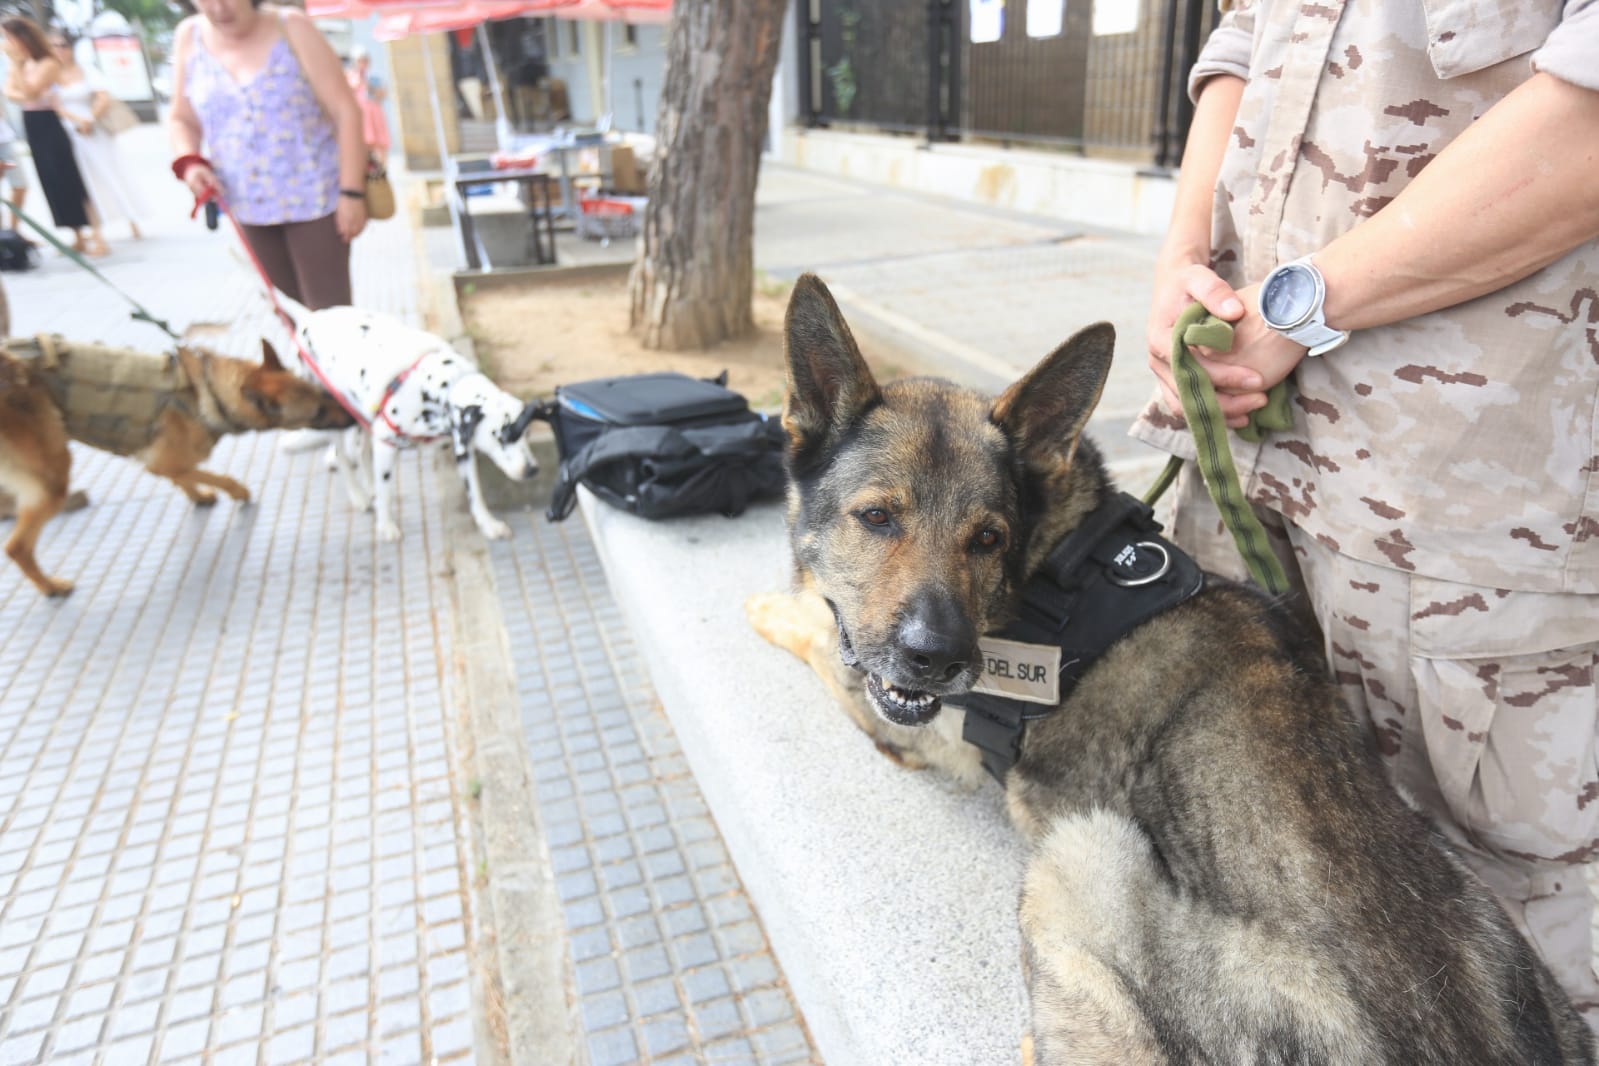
181	165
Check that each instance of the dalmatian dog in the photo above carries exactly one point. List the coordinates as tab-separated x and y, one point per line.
411	388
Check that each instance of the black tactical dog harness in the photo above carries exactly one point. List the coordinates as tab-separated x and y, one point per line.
1111	574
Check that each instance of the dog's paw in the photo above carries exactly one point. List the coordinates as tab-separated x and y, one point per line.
388	532
360	502
203	498
57	588
779	617
493	528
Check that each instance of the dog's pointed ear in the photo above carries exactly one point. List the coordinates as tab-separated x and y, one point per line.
269	356
1044	413
829	385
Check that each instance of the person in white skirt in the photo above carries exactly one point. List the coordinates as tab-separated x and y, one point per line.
81	98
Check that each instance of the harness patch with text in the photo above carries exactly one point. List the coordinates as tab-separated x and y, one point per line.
1017	670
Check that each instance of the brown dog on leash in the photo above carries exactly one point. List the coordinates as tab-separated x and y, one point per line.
168	411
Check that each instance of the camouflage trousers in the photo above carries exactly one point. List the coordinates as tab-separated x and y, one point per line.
1483	706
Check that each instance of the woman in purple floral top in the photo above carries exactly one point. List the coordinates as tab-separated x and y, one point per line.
260	89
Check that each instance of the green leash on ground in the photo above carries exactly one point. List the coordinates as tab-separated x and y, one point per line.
139	313
1196	327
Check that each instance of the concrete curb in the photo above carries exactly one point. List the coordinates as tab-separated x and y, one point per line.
525	1010
519	912
532	277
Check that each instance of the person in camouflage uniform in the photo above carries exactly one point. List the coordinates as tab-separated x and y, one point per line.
1437	498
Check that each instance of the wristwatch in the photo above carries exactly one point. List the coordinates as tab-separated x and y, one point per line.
1291	300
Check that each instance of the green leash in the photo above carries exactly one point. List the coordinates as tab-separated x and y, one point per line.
1196	327
139	313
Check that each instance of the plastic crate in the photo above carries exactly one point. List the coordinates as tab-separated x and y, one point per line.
606	218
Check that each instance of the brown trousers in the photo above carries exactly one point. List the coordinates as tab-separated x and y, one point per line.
306	260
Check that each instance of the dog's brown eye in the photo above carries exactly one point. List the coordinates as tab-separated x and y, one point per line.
988	540
875	516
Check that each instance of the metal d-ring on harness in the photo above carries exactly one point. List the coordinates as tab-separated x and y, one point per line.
1114	572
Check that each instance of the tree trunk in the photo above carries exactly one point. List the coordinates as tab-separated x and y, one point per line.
692	284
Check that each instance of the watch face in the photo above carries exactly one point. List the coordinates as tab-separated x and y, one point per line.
1289	295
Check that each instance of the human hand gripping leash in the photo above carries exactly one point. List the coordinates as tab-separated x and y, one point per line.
1196	327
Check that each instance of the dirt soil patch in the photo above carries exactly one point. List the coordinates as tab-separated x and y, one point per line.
554	332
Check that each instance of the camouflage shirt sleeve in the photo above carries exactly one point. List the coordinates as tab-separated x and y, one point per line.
1228	50
1572	51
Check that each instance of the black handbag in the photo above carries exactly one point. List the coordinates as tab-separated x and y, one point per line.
663	444
16	253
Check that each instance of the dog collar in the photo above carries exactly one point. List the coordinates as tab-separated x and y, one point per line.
1110	575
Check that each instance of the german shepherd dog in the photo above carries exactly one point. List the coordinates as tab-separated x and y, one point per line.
183	406
1221	872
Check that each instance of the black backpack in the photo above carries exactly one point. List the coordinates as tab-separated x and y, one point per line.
663	444
16	253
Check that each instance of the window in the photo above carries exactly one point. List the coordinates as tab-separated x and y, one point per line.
1115	16
552	34
1045	17
629	35
574	37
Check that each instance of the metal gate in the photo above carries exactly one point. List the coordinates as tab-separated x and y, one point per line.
911	66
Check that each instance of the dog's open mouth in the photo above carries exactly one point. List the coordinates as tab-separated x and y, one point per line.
902	706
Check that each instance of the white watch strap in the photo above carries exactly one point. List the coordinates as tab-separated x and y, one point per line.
1317	336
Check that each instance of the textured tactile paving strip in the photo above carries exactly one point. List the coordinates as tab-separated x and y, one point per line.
669	962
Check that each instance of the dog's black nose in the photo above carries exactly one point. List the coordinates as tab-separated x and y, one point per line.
934	639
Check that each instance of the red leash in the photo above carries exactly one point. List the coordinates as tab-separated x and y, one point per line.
213	194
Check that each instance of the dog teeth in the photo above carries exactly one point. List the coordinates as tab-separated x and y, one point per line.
910	699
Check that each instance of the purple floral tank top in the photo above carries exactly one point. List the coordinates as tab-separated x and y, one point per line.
272	146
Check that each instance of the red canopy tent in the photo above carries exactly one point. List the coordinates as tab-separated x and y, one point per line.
402	17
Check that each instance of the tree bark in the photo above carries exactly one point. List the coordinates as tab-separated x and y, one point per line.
693	282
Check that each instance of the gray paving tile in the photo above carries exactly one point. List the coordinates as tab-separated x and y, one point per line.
604	1011
717	1019
613	1048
